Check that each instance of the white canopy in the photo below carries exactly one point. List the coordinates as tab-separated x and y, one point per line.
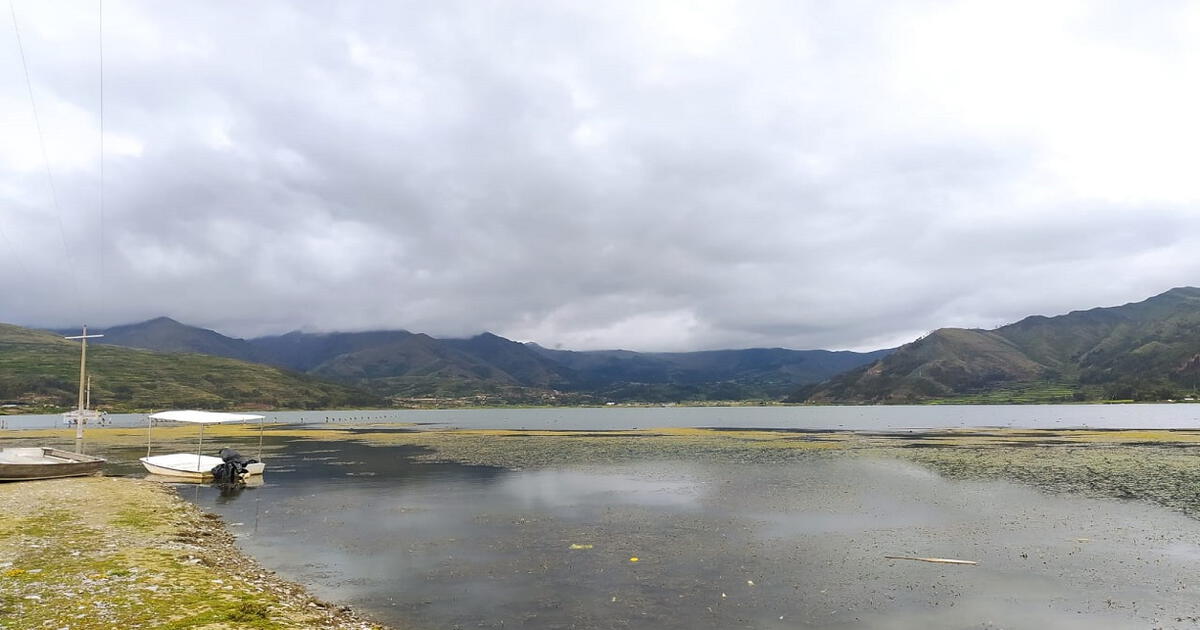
203	417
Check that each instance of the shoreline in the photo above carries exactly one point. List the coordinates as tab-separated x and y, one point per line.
148	558
933	402
109	552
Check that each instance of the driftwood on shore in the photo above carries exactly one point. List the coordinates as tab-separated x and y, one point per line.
934	560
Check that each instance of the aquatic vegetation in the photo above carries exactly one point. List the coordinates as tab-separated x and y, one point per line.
1151	464
1167	476
165	568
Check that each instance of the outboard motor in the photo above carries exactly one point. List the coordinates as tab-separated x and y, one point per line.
232	468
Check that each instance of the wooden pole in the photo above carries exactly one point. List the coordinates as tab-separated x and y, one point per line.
82	374
82	387
83	393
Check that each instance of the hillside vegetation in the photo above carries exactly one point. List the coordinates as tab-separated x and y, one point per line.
1147	350
414	368
40	370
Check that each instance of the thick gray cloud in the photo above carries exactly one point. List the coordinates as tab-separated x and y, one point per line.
649	175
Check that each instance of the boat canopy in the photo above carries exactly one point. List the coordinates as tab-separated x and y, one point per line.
204	417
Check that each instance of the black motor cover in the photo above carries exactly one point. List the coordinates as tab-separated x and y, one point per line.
229	454
233	468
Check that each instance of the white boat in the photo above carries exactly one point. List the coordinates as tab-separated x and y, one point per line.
84	414
75	417
195	466
40	462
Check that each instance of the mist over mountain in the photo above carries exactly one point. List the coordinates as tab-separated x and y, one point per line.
167	335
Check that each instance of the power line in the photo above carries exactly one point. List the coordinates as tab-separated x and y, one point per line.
101	248
62	233
9	247
17	258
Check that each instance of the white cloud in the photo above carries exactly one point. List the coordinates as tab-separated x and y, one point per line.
655	175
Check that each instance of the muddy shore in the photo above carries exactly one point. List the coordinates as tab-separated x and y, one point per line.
105	553
149	559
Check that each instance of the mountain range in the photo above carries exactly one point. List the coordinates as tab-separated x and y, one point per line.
39	370
1148	350
402	364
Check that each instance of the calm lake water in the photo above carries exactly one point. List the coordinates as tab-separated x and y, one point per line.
874	418
718	544
426	546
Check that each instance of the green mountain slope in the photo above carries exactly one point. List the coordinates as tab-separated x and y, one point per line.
413	366
1147	350
307	351
407	365
42	369
754	373
517	360
404	364
167	335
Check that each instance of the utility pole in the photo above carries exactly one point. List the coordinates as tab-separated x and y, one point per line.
81	413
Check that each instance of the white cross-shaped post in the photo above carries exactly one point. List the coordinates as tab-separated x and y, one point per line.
82	385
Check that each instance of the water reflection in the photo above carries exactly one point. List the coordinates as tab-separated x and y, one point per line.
227	492
573	489
428	545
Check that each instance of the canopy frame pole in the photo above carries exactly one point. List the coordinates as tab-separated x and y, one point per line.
260	437
149	428
200	451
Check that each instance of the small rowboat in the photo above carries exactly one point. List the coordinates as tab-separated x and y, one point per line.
44	462
40	462
195	466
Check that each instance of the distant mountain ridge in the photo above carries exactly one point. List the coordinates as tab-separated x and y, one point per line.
1148	350
405	364
164	334
764	372
40	369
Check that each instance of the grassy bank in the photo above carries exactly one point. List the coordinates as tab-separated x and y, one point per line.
123	553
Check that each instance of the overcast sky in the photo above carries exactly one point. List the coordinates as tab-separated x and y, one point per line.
647	175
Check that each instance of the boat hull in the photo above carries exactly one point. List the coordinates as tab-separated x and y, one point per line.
28	464
190	467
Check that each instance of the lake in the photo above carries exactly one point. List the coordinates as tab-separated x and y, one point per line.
858	418
719	544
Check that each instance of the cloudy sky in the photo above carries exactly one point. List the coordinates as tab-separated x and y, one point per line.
647	175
